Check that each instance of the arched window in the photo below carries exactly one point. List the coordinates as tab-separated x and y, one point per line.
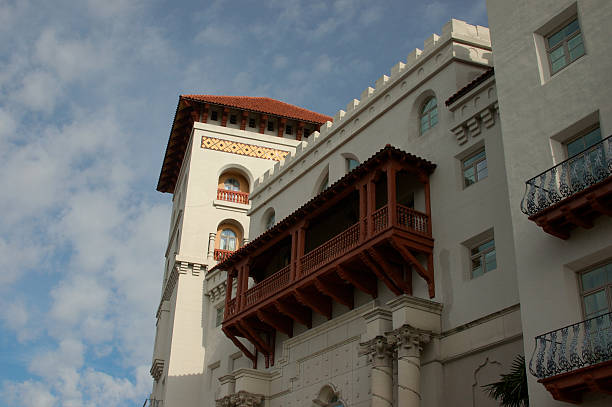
232	184
351	164
429	114
270	220
228	240
324	183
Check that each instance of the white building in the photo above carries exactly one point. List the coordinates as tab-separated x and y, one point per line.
389	261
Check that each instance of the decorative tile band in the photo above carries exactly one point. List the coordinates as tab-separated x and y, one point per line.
250	150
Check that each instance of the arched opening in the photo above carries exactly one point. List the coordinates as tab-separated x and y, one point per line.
228	239
328	397
233	186
429	114
269	219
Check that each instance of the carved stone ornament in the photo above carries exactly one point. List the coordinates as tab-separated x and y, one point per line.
378	350
409	340
241	399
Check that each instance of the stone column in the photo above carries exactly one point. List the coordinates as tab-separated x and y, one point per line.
380	352
211	245
408	341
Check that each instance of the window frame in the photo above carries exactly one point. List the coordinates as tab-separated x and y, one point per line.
350	160
607	288
270	220
227	239
474	165
227	182
482	256
580	135
428	113
288	129
270	125
252	123
214	115
563	43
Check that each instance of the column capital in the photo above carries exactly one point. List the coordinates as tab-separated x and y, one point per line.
241	399
408	340
378	350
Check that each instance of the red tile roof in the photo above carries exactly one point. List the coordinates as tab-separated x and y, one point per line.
467	88
262	105
183	122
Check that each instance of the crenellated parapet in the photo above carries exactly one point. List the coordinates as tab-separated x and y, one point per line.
458	41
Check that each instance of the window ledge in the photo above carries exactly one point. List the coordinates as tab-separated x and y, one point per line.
231	206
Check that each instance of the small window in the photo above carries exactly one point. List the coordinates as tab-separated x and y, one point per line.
429	114
596	290
233	119
252	123
324	183
564	46
270	220
219	317
351	164
232	184
581	143
474	168
214	115
288	130
228	240
483	258
270	125
306	133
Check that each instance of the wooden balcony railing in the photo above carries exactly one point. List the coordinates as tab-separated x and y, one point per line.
407	219
330	250
233	196
221	255
267	287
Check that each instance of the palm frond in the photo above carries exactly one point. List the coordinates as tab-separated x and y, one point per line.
511	389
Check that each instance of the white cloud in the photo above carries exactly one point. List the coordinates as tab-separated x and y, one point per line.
216	34
8	125
28	394
39	91
78	298
16	317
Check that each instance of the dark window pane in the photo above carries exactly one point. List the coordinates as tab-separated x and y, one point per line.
491	261
594	278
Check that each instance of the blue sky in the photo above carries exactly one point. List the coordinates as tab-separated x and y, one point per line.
89	90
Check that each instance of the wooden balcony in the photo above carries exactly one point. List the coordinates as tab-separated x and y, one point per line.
222	255
233	196
316	256
575	359
572	193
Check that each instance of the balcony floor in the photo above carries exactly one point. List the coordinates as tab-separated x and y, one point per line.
570	386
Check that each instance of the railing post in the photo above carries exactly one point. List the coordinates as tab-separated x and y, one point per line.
294	256
391	194
371	199
363	211
428	205
228	290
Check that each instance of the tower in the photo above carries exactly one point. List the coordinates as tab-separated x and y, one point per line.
218	147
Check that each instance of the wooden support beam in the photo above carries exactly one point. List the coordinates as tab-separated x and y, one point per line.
576	219
395	275
240	346
277	321
317	302
375	268
362	281
299	131
340	293
298	313
282	122
428	275
245	327
597	205
263	122
243	121
224	116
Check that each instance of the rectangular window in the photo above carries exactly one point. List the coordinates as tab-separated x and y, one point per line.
214	116
270	125
219	318
288	130
483	258
306	133
233	119
586	157
351	164
564	45
252	123
596	290
474	168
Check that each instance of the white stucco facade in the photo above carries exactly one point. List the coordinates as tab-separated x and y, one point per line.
401	350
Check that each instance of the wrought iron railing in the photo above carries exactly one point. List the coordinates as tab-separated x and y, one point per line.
573	175
575	346
222	255
267	287
232	196
330	250
413	220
